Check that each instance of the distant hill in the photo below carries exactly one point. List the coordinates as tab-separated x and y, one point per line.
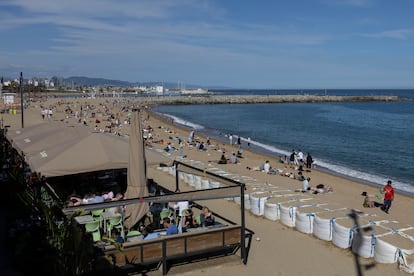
78	80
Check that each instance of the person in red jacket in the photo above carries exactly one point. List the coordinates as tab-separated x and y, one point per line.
388	196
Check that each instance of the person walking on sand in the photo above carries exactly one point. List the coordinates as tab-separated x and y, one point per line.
388	191
309	161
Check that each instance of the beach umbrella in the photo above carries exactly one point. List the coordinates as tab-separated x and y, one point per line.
82	153
45	135
137	178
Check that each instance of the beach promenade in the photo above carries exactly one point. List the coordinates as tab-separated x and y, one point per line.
278	248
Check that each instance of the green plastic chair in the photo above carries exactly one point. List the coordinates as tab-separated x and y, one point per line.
183	212
116	222
164	214
198	220
93	227
132	234
96	214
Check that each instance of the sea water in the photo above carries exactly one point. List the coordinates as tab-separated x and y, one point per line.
368	141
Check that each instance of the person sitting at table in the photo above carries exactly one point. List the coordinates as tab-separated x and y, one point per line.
188	220
73	201
171	227
118	196
96	198
108	196
207	217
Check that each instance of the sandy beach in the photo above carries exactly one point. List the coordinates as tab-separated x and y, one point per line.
276	249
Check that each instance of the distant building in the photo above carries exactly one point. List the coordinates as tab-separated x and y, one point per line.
8	99
159	90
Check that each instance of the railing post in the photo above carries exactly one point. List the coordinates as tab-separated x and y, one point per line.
177	187
243	226
164	258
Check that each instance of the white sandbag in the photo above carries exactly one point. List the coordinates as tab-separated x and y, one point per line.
197	182
171	170
343	232
365	238
247	201
323	223
271	209
249	189
322	228
406	261
304	222
364	245
390	247
287	214
189	179
305	215
386	253
257	202
205	184
280	192
215	184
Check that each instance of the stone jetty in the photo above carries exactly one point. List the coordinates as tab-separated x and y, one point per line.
252	99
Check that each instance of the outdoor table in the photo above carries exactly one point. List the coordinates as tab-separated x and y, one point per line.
84	219
156	234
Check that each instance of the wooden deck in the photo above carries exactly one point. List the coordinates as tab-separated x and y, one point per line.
186	247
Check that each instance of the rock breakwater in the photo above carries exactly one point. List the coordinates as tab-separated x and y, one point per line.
251	99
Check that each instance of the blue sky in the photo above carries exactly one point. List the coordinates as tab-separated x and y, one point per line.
241	44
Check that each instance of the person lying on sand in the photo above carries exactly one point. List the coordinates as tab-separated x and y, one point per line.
319	189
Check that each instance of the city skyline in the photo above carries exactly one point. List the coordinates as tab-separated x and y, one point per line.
240	44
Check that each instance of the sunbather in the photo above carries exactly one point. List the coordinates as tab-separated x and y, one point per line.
368	203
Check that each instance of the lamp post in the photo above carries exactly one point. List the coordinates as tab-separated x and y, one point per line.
21	97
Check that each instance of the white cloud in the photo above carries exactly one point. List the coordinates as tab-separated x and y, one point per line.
393	34
356	3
